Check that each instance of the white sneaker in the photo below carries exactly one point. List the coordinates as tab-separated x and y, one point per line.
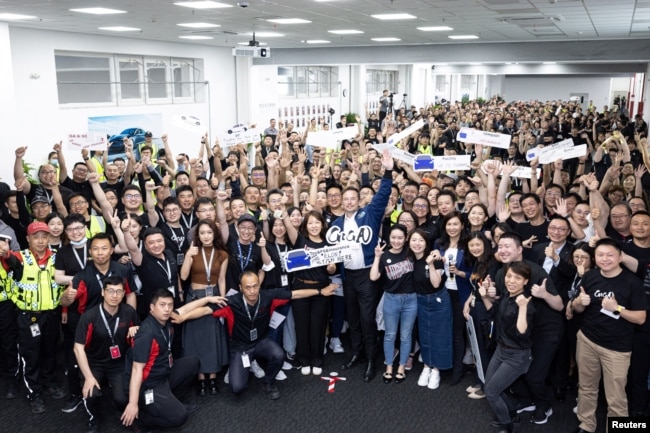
434	379
335	345
280	376
226	378
287	366
423	380
316	371
257	370
305	371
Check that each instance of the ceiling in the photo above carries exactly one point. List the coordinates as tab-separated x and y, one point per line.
490	20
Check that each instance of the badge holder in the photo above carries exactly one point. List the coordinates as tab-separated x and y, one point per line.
35	329
209	291
148	397
253	334
115	352
180	258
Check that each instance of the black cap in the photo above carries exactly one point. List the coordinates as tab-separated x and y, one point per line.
148	134
246	217
39	199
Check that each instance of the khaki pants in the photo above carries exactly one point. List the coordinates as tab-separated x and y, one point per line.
594	360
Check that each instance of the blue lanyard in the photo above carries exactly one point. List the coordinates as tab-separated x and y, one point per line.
243	264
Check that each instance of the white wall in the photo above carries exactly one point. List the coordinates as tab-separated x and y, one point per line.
548	88
38	121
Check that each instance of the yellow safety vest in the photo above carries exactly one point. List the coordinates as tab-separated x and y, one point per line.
37	290
5	284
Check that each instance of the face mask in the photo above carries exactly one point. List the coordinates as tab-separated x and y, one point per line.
79	243
54	162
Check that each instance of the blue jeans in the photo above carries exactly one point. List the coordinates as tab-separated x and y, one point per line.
400	310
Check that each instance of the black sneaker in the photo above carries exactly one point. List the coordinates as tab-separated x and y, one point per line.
271	391
522	406
72	403
291	362
37	405
12	390
55	392
92	427
541	416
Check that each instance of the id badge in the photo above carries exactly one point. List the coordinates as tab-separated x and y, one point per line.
209	291
115	352
36	330
171	360
253	334
148	397
284	280
245	360
180	257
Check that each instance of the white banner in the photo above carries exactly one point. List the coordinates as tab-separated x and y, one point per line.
485	138
442	163
87	141
564	153
330	139
524	172
395	138
471	331
296	260
238	135
537	152
396	153
189	123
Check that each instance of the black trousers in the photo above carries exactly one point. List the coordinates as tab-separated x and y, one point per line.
69	329
38	353
637	382
9	339
458	326
559	376
310	315
361	299
267	350
114	375
167	411
532	386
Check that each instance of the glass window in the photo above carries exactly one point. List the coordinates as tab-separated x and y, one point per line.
83	78
130	73
307	81
183	77
157	87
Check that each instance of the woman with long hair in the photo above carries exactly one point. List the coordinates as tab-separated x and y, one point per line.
56	237
205	266
400	300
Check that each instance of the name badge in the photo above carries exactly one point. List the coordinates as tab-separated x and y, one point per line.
284	280
36	331
209	291
171	360
148	397
115	352
253	334
245	360
180	258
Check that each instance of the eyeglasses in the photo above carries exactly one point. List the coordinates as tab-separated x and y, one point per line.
207	209
420	206
132	196
114	292
172	210
333	195
75	229
619	217
258	175
557	229
78	203
407	221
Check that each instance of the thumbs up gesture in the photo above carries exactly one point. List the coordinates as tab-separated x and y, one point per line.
193	250
522	301
539	290
262	242
609	303
583	298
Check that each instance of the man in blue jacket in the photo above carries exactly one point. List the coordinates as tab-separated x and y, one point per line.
361	228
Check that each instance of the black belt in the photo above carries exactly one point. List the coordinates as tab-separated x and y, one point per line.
357	271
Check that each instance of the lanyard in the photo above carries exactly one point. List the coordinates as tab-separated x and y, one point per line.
188	225
168	271
175	238
82	263
252	319
100	280
243	264
108	329
282	254
167	338
208	265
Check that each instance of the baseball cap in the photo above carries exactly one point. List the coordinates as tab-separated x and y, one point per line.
36	227
39	199
4	237
451	176
246	217
148	134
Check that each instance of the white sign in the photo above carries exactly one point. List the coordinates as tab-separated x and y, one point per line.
524	172
537	152
87	141
442	163
564	153
485	138
396	153
471	331
189	123
330	139
396	138
239	134
297	260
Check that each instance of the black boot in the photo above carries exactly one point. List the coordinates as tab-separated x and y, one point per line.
212	387
203	387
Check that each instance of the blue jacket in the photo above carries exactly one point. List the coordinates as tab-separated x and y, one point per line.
368	219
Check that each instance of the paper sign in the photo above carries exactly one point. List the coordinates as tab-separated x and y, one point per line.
537	152
239	134
297	260
86	141
189	123
524	172
330	139
565	153
471	331
485	138
396	138
396	153
442	163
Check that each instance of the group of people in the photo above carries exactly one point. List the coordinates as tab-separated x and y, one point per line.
163	272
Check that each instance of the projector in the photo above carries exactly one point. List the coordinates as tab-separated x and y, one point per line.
254	52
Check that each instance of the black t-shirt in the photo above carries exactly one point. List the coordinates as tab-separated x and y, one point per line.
421	277
70	260
273	278
242	258
156	274
507	313
643	272
82	188
92	333
318	273
526	230
176	238
397	270
152	347
89	282
242	318
610	333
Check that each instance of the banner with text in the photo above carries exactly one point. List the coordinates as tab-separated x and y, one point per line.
87	141
330	139
297	260
485	138
442	163
396	138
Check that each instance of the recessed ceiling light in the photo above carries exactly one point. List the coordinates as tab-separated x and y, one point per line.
394	17
120	29
247	44
463	37
198	25
386	39
203	5
15	17
475	63
435	29
345	32
98	11
264	34
195	37
318	41
549	63
288	21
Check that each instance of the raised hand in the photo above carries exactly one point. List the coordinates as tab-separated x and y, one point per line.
539	290
583	298
522	300
379	249
193	250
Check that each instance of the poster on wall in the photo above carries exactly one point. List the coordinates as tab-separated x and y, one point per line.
133	126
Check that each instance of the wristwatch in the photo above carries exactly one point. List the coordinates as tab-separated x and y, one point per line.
618	310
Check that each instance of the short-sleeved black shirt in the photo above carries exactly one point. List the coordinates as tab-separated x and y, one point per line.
398	272
152	347
153	273
89	282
